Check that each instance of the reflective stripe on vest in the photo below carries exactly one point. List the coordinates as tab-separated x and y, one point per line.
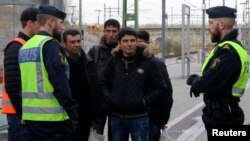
240	85
38	101
7	107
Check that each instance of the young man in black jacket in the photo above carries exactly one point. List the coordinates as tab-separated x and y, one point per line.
159	113
82	81
126	81
12	102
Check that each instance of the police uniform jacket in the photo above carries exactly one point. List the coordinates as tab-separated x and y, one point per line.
53	61
221	72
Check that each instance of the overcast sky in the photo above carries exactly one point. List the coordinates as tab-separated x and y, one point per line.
149	10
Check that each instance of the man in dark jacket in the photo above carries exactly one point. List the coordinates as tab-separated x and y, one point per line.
17	129
159	114
126	80
100	54
82	81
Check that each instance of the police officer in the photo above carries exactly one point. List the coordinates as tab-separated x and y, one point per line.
224	74
11	96
48	108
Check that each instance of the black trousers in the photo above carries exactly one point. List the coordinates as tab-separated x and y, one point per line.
235	118
48	131
82	132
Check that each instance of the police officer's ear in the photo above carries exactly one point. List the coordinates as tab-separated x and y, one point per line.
221	25
51	21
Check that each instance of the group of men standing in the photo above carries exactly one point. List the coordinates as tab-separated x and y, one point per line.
54	91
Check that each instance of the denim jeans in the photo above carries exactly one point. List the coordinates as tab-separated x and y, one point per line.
16	131
138	128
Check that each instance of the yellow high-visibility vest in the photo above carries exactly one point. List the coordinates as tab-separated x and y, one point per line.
38	101
240	85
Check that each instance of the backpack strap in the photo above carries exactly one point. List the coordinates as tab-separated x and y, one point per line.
96	48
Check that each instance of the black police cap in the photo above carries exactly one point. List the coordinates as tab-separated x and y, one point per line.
221	11
51	10
29	14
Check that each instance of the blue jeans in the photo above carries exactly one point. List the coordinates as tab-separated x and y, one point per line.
16	131
138	128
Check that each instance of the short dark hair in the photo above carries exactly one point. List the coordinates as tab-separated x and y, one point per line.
112	22
144	35
126	31
71	32
29	14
